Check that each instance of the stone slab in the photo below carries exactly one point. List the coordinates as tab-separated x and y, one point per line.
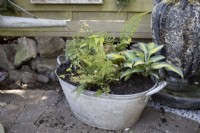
55	117
21	97
9	113
50	98
51	114
161	122
22	128
30	114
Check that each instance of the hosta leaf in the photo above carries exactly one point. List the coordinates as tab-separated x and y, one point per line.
114	56
130	65
62	76
150	45
156	49
138	62
129	55
127	77
157	58
131	71
137	59
168	67
143	47
154	74
139	53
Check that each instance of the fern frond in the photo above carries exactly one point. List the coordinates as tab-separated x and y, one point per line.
132	25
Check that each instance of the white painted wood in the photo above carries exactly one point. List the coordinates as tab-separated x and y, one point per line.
66	1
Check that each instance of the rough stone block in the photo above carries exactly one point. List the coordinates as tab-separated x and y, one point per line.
27	49
7	53
46	66
50	46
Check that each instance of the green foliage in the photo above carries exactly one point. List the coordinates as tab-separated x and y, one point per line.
88	57
143	60
130	28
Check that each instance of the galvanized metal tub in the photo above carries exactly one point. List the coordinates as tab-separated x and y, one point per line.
112	112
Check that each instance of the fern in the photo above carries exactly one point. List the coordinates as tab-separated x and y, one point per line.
88	56
98	71
130	28
132	25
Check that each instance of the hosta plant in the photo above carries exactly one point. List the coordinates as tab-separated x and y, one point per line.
143	60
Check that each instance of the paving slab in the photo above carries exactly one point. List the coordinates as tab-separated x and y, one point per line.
45	129
22	128
9	113
48	112
21	97
30	114
161	122
50	97
55	117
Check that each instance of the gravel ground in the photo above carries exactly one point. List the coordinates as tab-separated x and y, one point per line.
191	114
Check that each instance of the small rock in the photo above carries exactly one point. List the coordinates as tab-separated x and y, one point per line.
27	49
33	64
27	77
3	76
14	75
7	54
53	76
50	46
42	79
26	68
46	66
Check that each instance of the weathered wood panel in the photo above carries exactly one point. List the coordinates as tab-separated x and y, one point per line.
104	17
141	35
111	27
99	15
108	5
67	1
52	15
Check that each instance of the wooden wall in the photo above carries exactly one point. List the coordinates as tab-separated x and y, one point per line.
101	17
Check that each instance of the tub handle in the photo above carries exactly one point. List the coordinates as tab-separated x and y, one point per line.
59	57
159	87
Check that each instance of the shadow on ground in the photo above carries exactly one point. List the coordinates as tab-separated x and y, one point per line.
46	111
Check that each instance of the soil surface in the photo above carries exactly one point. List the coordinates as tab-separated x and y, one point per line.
136	84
